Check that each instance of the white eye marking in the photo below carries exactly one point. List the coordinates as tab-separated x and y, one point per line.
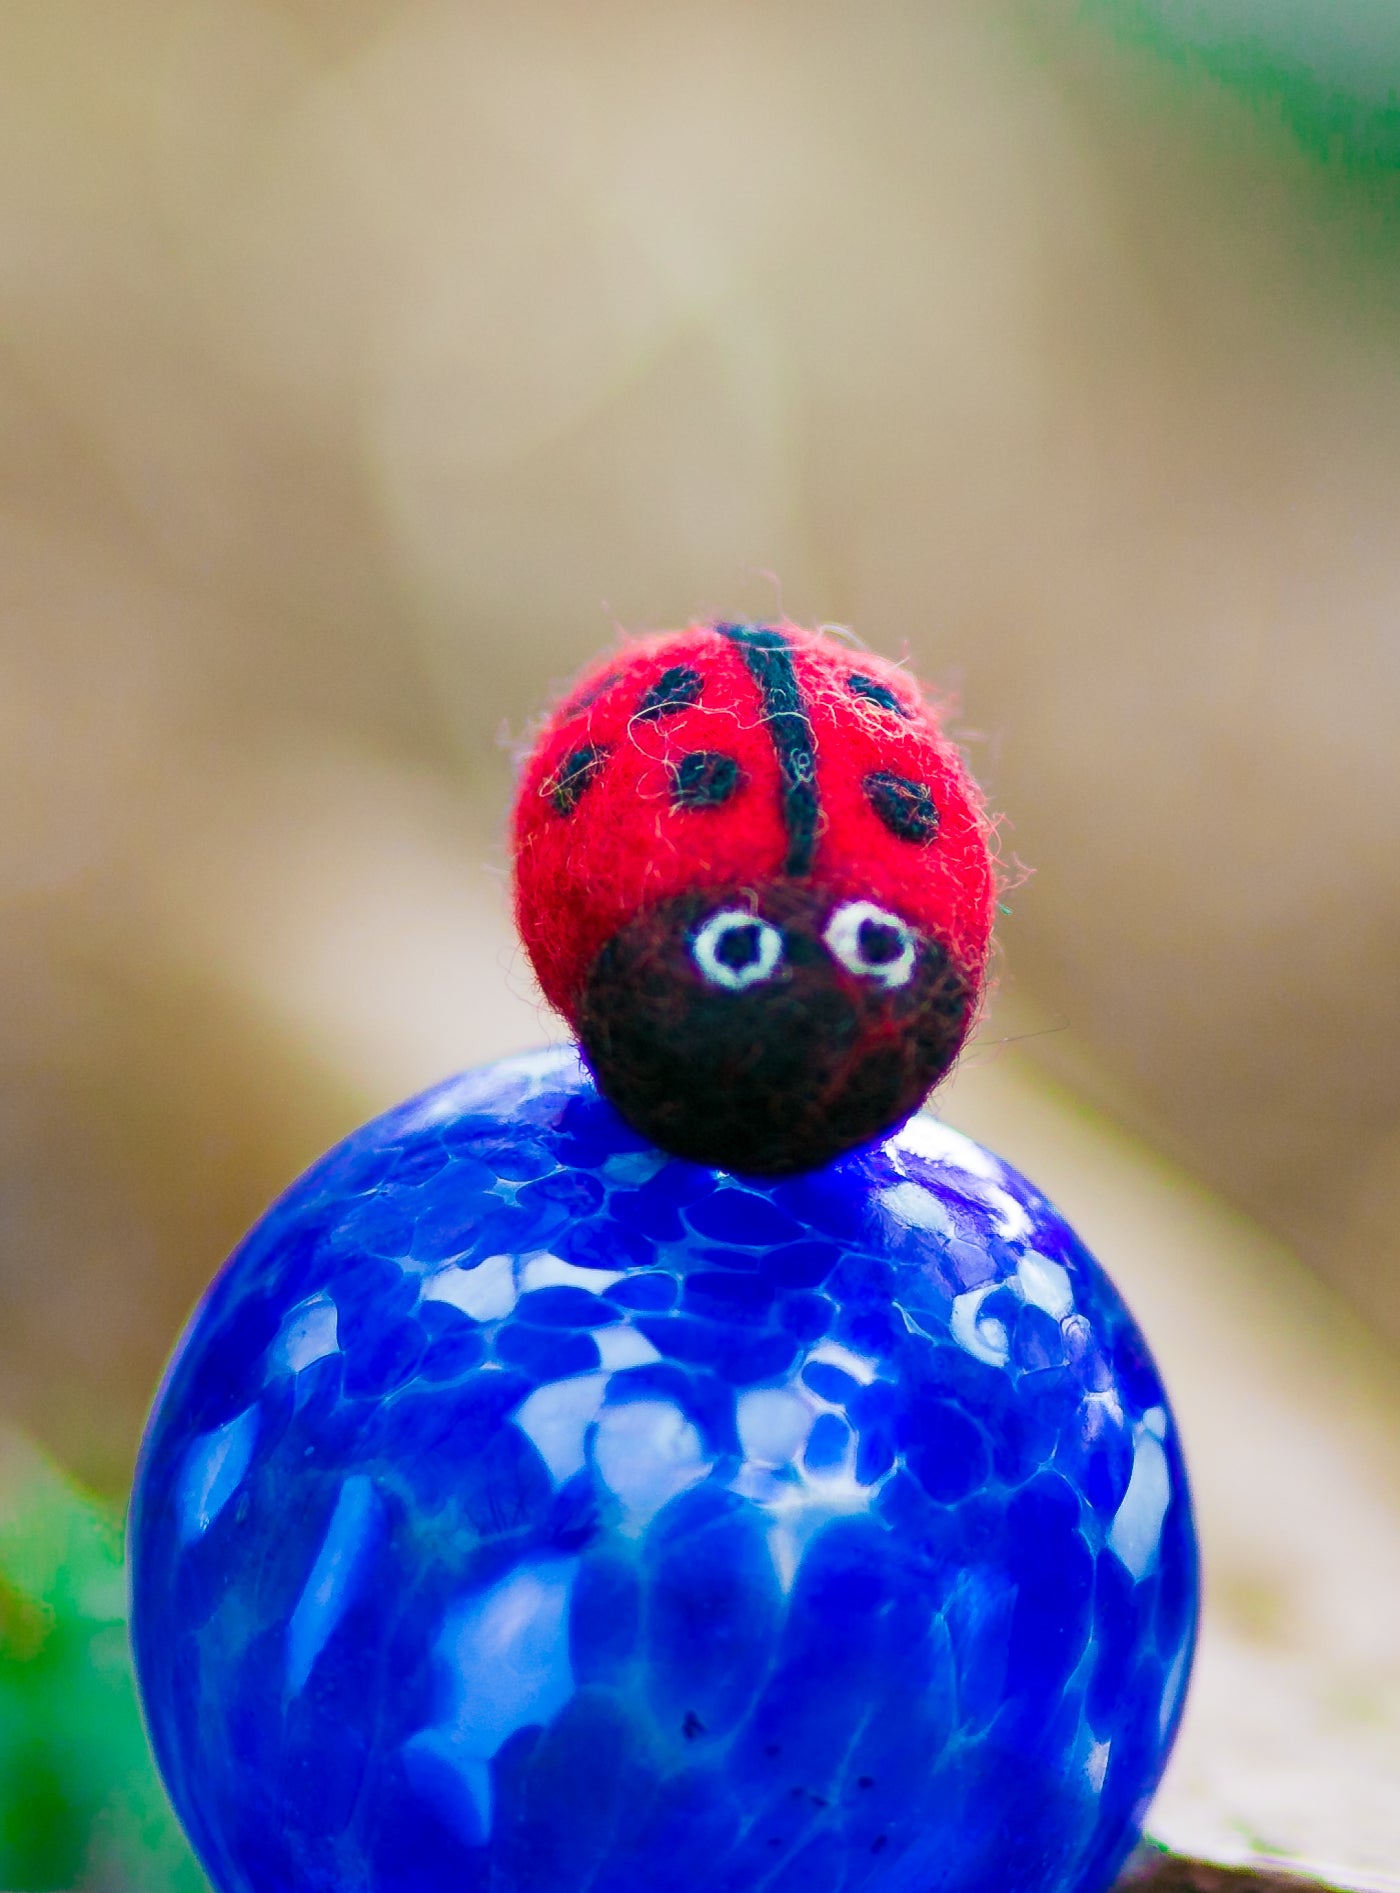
871	942
736	949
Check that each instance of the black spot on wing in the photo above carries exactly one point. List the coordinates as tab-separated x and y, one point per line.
704	779
906	808
675	690
872	691
593	693
576	772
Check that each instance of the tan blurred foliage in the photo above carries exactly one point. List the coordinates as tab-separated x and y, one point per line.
363	365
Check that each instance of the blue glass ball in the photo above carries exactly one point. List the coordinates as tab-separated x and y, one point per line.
528	1512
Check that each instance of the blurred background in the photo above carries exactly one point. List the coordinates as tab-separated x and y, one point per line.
367	364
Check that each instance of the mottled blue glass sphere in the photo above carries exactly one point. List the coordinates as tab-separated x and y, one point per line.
528	1512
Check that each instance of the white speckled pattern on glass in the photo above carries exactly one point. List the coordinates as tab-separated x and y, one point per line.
527	1512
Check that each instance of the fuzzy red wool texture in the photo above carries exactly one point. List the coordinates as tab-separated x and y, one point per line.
600	834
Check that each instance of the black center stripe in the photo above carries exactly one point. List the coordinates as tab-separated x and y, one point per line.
769	658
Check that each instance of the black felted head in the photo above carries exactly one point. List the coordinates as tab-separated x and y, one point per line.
768	1030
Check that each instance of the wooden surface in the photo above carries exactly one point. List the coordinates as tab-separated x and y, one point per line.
1154	1872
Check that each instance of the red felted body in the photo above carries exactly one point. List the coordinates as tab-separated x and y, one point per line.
625	847
755	878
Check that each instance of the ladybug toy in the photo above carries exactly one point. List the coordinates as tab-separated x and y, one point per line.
529	1510
755	878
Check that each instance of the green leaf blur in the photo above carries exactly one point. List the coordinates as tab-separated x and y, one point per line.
81	1806
1352	129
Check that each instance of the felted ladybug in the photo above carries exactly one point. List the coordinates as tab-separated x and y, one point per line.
755	878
